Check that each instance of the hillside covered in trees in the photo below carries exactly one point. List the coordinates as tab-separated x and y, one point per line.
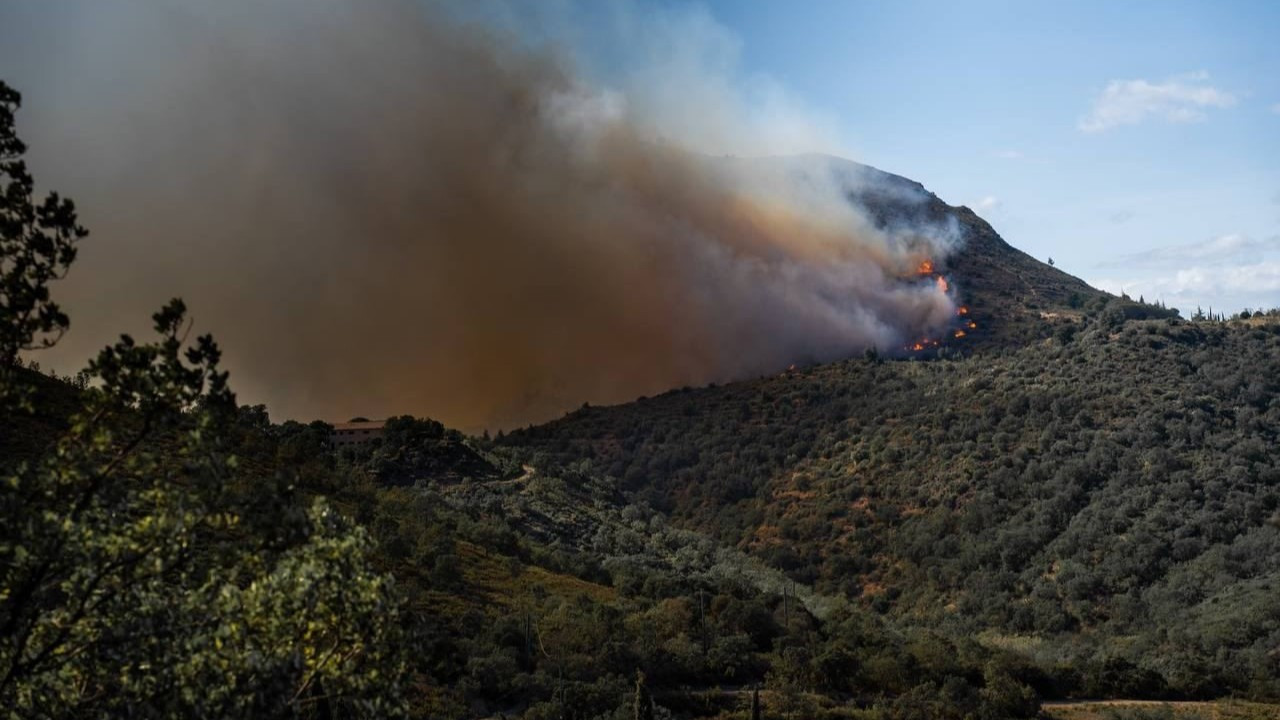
1081	502
1109	492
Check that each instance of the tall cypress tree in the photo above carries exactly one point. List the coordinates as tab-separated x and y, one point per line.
643	700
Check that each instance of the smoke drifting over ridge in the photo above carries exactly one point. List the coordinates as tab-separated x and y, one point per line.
385	210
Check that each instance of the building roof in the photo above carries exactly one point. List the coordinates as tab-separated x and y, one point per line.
368	425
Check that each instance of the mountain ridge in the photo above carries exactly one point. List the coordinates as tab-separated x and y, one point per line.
1010	297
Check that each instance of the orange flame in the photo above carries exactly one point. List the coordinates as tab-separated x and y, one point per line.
962	310
926	267
972	325
960	333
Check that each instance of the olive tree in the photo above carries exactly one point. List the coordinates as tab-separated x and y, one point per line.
143	571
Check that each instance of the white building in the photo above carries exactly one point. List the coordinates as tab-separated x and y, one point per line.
356	432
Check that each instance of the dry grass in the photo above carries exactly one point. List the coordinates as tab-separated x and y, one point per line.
490	575
1144	709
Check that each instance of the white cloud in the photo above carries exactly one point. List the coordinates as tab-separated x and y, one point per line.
1228	273
1213	250
1225	288
1179	99
989	203
1009	155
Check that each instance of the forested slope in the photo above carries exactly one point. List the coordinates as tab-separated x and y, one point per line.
1115	487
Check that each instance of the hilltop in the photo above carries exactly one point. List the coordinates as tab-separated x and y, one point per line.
1011	297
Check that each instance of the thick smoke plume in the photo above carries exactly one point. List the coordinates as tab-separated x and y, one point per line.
395	210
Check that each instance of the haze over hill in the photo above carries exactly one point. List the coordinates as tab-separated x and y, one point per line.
492	238
498	236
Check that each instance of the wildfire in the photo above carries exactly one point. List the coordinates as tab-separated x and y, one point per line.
926	269
958	333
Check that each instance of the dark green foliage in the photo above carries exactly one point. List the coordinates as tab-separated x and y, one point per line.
1115	485
144	571
643	700
413	449
37	245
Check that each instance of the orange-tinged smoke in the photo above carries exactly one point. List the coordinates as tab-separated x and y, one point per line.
378	209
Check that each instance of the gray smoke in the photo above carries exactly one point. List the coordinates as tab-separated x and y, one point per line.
386	208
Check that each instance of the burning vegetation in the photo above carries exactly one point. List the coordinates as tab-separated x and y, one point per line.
927	269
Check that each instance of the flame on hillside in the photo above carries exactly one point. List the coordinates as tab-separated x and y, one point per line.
927	269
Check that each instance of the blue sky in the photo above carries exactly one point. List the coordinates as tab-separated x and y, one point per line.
1137	143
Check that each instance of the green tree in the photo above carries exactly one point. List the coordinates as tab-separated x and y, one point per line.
1004	697
143	572
37	245
643	704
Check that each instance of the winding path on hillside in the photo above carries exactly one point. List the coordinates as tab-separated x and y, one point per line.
529	472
